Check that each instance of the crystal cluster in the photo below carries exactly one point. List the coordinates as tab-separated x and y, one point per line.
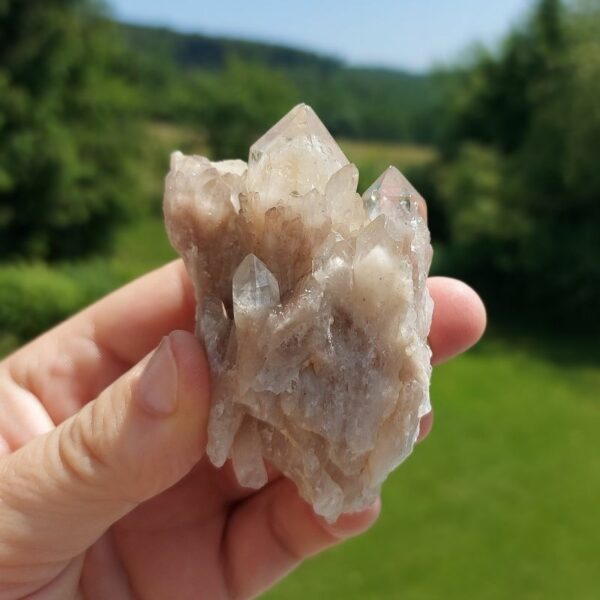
313	308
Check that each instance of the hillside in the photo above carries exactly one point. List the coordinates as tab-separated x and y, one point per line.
358	102
201	51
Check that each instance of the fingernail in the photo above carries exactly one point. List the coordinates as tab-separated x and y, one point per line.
157	386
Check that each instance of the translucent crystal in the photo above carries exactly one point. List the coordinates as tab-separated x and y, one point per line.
390	194
254	288
296	155
246	455
313	309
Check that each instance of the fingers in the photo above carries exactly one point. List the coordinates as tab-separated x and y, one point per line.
61	491
132	320
459	318
269	534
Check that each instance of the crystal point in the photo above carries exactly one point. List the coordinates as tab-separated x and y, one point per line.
254	288
301	121
390	193
296	155
313	309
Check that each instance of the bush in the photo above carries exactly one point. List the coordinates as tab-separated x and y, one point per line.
485	223
34	298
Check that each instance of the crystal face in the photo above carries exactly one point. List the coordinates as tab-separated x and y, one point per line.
313	308
254	289
295	156
391	194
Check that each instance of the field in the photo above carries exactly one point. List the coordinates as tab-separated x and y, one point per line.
501	501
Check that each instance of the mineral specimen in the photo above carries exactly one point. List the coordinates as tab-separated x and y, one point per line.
313	308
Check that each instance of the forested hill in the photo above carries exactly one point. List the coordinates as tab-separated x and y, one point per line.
360	102
192	50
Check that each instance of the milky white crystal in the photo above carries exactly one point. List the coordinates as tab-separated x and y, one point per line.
312	305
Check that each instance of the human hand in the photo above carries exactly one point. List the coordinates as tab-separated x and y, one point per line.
105	491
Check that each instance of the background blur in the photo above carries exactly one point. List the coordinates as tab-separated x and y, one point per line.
503	140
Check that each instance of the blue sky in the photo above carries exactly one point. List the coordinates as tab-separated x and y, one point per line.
411	34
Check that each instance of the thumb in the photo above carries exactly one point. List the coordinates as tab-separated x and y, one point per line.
61	491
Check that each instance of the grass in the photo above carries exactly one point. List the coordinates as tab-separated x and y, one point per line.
502	500
372	158
384	154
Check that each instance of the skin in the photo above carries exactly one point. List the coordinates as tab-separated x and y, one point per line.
103	496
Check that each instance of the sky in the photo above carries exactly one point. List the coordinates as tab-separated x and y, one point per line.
409	34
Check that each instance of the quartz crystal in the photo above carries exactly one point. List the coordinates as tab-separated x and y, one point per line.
313	308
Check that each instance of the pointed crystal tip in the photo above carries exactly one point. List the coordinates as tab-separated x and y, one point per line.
300	121
296	155
254	287
390	191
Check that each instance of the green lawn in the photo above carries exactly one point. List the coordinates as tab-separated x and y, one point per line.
502	501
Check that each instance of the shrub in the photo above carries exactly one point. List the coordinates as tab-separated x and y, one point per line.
34	298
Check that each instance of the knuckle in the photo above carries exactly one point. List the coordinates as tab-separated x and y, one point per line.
79	449
283	537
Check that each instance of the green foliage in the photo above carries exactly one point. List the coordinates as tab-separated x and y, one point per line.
194	50
522	185
35	297
512	195
484	214
66	128
373	104
175	69
240	103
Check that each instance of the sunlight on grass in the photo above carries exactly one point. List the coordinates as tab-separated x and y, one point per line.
400	155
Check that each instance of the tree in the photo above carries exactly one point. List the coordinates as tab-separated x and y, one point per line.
66	116
528	120
240	103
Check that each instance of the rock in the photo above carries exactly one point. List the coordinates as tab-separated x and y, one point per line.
313	307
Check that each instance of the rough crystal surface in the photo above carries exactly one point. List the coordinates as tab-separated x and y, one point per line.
312	305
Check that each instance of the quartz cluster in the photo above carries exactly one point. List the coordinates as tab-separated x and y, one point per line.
313	308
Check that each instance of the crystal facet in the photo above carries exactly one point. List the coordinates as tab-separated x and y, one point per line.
313	308
390	194
254	289
295	156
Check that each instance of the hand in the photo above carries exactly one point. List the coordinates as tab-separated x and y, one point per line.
104	488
